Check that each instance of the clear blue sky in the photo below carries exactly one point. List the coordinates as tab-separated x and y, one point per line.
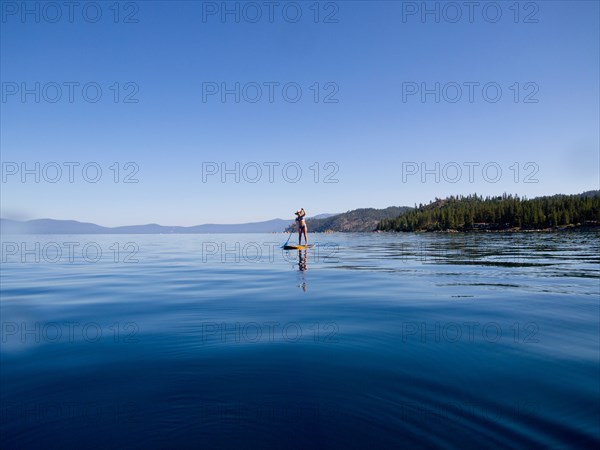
368	55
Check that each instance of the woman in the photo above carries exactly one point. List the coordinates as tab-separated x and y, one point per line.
301	226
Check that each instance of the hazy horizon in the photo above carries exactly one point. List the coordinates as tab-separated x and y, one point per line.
248	221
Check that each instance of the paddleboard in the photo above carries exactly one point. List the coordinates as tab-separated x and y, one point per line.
297	247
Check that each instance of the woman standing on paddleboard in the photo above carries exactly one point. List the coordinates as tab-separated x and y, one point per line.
301	226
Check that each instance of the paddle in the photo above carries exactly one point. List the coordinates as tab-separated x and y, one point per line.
286	242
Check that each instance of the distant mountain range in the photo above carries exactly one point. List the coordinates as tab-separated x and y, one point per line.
51	226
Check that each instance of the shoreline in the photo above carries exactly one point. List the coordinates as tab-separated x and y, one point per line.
568	229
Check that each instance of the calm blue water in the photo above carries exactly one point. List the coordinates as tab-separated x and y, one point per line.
221	341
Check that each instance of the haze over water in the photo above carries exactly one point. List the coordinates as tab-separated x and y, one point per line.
384	340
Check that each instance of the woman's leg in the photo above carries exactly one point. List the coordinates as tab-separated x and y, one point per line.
299	235
305	235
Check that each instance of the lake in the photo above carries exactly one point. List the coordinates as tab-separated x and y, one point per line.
364	341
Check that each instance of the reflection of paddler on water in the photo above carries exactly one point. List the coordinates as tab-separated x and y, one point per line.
303	260
303	267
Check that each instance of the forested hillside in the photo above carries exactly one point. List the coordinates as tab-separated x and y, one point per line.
499	213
